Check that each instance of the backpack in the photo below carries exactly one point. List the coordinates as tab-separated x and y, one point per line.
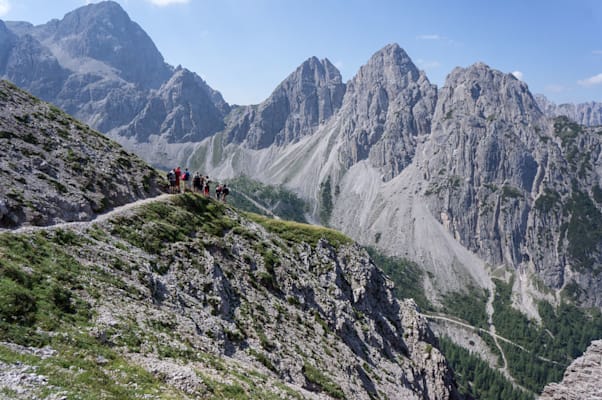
186	175
171	176
225	190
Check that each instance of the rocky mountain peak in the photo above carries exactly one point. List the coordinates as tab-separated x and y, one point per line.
588	114
388	103
483	92
305	99
105	32
389	67
183	109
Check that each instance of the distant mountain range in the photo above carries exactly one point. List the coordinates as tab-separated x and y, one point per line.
476	166
479	182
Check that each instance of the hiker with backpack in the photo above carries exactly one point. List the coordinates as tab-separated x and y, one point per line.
171	178
197	183
225	192
218	191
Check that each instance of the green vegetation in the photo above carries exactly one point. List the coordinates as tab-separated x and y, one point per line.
280	201
469	306
326	204
566	129
511	192
563	334
159	223
40	297
296	232
476	378
407	276
314	376
584	231
548	200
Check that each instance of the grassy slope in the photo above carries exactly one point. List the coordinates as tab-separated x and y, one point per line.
53	285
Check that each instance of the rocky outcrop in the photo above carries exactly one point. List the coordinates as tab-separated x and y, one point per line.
581	379
303	101
55	169
587	114
184	109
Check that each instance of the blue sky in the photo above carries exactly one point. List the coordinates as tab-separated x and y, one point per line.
245	48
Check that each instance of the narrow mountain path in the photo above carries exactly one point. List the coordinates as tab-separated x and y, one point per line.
80	225
492	334
489	309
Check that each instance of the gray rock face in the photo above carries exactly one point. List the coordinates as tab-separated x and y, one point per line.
478	164
55	169
305	99
581	379
587	114
104	32
505	181
387	104
182	110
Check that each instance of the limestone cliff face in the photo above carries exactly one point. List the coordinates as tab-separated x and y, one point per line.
581	379
477	166
510	184
55	169
387	105
587	114
182	110
303	101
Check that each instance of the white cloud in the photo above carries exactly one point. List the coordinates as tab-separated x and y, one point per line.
591	81
597	52
429	37
518	75
164	3
4	7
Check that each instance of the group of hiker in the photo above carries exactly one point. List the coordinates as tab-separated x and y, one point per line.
183	181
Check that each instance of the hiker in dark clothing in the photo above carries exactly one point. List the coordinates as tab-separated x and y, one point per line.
171	177
197	183
187	179
225	192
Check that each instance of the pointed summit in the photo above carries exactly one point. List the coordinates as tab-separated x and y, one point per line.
390	67
306	98
388	103
105	32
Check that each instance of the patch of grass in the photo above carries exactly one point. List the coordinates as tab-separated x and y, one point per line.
317	378
41	297
300	233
